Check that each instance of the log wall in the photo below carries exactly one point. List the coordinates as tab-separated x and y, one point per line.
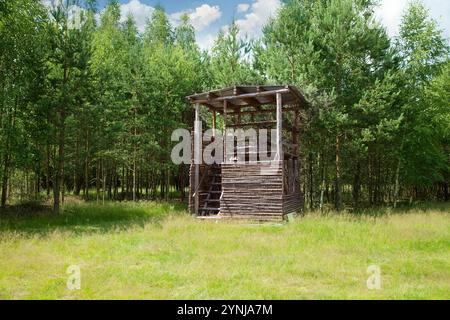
292	203
252	191
292	197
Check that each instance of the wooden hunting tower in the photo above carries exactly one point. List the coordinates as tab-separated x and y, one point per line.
266	188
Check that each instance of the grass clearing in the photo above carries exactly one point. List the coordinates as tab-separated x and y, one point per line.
157	251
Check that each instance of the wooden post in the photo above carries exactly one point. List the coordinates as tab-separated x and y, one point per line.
279	127
239	117
214	123
224	131
296	149
197	154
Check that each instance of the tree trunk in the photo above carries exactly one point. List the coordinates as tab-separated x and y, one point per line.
97	181
6	164
59	172
5	181
322	186
338	188
77	176
397	178
311	181
134	175
104	181
356	186
47	178
56	192
86	168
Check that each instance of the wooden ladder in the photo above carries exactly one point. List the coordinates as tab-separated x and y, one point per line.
212	201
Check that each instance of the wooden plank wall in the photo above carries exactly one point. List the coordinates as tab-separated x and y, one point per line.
292	203
292	197
248	193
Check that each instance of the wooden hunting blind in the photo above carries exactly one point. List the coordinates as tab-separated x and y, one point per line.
266	188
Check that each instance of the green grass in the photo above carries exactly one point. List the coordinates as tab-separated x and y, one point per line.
156	251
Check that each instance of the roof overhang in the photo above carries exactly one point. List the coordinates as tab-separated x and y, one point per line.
249	96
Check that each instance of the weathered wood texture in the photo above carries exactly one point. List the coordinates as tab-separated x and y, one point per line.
255	191
241	96
292	203
206	180
292	196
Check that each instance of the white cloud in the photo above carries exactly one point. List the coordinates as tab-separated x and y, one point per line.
390	13
200	17
141	13
204	15
258	14
206	41
242	7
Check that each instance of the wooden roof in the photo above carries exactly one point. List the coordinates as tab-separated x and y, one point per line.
247	96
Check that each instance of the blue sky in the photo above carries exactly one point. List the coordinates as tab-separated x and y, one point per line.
209	16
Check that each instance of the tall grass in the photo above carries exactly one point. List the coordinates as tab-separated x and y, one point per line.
157	251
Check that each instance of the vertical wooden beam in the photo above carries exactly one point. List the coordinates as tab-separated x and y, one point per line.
279	127
225	131
239	117
214	123
197	154
295	141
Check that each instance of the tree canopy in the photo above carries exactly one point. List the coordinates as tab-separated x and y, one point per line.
89	103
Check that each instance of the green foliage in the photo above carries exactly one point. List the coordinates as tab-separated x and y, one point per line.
158	30
423	50
230	60
422	46
367	95
23	51
436	95
89	102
